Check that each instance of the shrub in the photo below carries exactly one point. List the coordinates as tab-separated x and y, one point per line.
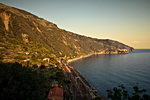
21	83
122	94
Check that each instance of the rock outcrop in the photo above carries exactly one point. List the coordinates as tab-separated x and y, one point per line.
5	19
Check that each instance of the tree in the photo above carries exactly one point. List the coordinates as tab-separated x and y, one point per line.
60	77
21	83
42	67
121	94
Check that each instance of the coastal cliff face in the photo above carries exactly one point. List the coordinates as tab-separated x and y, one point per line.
23	32
115	44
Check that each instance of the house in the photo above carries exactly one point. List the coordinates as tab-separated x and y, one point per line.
46	59
125	50
55	94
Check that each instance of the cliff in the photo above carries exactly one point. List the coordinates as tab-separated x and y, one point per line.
115	44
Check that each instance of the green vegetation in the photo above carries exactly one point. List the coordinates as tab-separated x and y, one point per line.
113	45
122	94
19	58
1	57
17	82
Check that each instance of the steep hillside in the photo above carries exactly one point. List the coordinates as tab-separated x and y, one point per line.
115	44
24	35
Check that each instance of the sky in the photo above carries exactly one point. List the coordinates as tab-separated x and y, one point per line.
126	21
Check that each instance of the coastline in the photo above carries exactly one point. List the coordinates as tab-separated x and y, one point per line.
93	92
71	60
96	53
83	78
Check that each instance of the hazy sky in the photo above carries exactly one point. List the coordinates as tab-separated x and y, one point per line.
127	21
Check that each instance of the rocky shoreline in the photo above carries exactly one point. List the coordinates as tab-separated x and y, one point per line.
92	89
92	92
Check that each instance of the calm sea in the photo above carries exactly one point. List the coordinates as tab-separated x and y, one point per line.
107	71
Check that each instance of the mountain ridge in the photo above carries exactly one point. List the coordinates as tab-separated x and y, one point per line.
21	31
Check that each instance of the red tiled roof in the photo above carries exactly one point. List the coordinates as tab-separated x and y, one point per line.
56	91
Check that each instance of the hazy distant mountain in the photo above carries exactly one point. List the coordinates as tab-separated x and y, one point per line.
22	32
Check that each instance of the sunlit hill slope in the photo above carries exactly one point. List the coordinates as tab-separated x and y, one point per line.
22	32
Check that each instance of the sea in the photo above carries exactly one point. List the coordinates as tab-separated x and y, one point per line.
108	71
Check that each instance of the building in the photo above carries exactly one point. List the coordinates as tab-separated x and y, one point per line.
46	59
55	94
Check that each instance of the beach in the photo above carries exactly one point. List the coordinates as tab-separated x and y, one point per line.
74	59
